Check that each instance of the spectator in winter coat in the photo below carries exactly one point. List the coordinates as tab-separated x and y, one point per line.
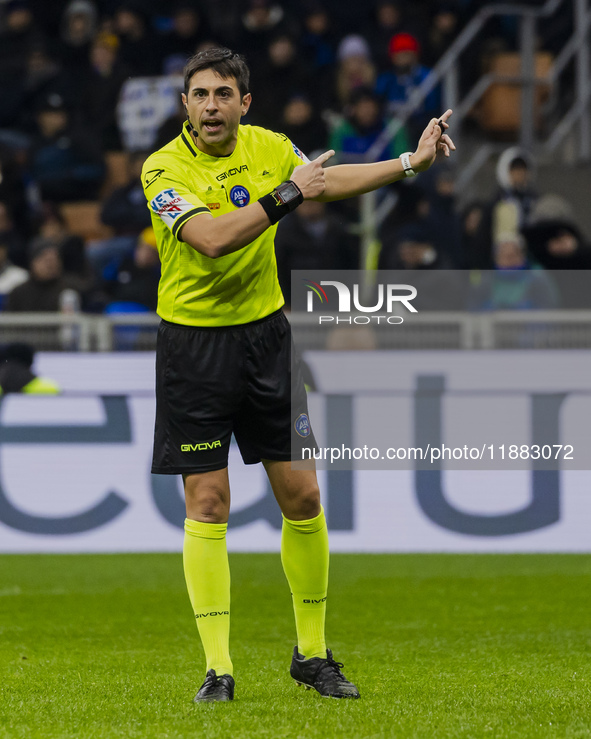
44	290
406	74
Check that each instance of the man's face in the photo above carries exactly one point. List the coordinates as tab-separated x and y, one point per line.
366	113
46	266
405	61
317	22
519	177
509	254
563	244
415	254
102	57
186	22
52	122
281	52
297	112
127	23
215	108
388	15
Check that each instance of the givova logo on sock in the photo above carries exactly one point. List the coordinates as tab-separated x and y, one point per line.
313	600
212	613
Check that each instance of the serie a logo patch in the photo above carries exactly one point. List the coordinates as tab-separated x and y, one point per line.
302	425
240	196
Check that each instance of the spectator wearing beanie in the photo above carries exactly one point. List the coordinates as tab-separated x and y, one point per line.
406	74
355	68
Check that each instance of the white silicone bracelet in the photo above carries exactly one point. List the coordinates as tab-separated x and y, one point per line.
406	165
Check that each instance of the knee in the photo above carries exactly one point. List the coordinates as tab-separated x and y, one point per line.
209	504
304	505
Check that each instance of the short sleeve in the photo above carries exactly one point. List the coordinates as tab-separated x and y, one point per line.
290	155
301	158
168	196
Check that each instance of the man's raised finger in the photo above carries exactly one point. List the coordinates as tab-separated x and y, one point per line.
324	157
443	118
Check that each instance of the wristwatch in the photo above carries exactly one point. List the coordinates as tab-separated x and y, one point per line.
406	165
288	193
284	199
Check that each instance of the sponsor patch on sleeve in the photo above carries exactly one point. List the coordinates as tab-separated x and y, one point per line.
301	154
169	205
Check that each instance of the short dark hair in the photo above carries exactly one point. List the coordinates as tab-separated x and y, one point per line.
224	62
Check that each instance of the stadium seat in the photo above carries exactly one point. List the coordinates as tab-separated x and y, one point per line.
119	307
500	109
83	219
117	171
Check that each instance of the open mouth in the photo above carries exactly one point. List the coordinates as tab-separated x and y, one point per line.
212	125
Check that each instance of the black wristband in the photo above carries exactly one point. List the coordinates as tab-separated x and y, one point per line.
284	199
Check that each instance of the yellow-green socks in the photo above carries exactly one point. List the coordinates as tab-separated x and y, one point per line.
304	555
207	573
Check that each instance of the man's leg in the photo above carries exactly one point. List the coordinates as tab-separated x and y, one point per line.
304	554
205	559
304	551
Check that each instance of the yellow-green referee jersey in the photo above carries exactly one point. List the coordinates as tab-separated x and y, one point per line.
181	182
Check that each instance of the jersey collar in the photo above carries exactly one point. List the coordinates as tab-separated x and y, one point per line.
188	140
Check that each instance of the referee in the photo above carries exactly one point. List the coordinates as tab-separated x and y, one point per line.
223	365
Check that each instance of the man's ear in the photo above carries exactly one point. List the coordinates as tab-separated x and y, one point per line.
246	101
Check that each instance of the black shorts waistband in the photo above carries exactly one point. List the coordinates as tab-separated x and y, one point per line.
275	313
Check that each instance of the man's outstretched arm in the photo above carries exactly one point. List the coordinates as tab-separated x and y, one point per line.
348	180
216	237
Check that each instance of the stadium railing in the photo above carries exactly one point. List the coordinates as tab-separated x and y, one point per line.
564	329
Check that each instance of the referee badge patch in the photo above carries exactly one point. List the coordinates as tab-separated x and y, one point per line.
240	196
302	425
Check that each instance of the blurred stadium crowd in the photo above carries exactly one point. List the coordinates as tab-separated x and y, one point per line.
89	88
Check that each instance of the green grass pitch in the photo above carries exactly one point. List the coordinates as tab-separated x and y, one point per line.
99	646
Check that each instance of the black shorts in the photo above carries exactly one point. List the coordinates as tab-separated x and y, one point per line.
212	382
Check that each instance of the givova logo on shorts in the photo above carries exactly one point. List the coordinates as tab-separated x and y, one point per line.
202	446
